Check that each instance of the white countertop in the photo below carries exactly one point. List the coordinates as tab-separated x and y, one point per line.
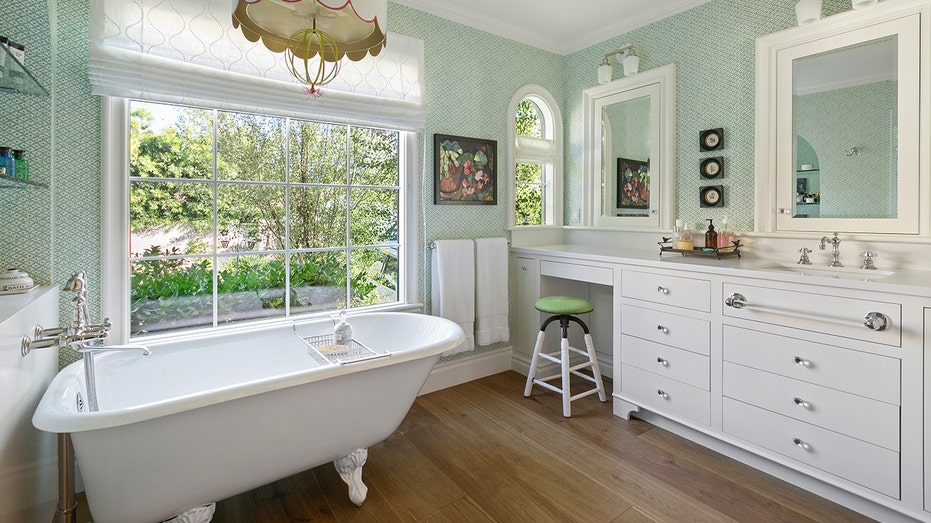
906	281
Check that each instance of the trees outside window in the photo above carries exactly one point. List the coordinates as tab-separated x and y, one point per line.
536	142
239	216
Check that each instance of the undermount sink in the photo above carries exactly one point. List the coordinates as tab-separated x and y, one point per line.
845	273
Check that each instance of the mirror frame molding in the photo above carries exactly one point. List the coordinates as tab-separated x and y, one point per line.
768	102
662	167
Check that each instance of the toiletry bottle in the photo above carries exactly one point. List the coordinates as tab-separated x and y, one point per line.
711	236
342	332
677	233
685	242
20	164
724	235
7	164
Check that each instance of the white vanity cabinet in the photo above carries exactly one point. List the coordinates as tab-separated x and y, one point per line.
665	346
793	381
820	381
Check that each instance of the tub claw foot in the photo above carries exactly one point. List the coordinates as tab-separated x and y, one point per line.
202	514
350	470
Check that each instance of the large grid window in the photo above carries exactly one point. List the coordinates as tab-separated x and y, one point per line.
238	216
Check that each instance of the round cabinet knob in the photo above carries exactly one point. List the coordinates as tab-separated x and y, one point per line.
799	402
801	444
662	329
876	321
801	361
662	290
662	394
662	362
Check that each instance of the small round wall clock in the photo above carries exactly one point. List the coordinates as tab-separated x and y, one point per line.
711	139
711	196
712	167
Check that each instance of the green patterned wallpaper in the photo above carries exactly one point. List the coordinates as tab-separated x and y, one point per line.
470	78
713	47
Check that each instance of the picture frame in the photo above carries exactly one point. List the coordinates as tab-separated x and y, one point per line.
464	170
633	184
711	139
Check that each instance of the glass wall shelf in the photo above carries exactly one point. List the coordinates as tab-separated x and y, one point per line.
7	182
14	77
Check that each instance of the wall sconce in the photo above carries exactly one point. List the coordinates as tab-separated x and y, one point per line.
624	56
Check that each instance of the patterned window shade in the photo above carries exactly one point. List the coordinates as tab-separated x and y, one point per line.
187	52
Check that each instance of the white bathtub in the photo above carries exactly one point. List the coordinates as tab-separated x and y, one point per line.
197	422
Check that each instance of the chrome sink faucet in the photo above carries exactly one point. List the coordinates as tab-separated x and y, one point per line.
835	244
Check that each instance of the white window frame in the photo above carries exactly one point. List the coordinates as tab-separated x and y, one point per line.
552	169
115	287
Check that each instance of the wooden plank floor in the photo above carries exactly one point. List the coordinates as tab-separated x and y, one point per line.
481	452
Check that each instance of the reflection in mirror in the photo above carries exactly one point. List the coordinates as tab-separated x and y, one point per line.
630	151
842	129
625	131
844	109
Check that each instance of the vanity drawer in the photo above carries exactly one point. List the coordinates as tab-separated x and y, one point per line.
680	365
669	329
577	272
822	313
862	463
677	291
825	365
664	395
855	416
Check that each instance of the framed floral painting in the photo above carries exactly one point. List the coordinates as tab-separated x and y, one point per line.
633	184
465	170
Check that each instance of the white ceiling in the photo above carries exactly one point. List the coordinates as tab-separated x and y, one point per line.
560	26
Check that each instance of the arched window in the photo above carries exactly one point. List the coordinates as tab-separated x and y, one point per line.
535	140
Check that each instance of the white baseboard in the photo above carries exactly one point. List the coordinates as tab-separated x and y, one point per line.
467	369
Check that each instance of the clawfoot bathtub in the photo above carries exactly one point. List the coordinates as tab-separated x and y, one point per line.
199	421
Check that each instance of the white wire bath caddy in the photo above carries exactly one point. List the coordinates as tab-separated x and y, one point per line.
324	349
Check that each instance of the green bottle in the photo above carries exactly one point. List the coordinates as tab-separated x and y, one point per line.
21	165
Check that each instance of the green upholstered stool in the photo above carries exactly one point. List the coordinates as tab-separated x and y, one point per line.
564	309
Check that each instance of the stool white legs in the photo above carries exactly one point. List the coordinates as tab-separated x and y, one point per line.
599	386
534	360
566	368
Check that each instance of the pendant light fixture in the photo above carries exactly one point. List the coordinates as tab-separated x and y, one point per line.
315	34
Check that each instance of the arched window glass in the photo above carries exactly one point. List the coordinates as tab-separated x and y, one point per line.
536	139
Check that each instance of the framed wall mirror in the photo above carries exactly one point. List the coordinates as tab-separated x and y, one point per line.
842	124
630	151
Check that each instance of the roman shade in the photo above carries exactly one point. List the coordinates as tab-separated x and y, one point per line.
187	52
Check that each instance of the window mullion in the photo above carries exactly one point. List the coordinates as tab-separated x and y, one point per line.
216	227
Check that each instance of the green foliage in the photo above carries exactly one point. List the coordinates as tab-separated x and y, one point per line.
528	197
339	175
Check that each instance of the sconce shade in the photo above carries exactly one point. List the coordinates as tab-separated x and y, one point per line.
631	65
604	73
357	27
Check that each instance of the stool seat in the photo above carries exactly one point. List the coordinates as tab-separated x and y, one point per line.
563	309
563	305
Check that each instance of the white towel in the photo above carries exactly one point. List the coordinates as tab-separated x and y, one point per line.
491	291
454	287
